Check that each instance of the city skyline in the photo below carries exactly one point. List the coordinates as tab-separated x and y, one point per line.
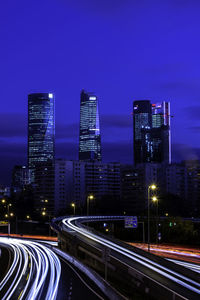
99	149
160	68
75	154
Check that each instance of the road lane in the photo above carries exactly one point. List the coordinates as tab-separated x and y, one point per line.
165	276
33	274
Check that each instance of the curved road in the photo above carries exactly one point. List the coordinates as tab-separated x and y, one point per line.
33	271
178	283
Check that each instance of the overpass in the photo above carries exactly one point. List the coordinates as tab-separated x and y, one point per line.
131	270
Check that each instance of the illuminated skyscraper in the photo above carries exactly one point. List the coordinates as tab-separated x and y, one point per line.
41	129
41	149
89	137
161	133
142	123
151	125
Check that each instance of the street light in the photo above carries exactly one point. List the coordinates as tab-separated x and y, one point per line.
155	200
150	187
48	214
89	197
74	207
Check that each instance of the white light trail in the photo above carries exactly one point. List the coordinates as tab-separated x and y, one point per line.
164	271
34	272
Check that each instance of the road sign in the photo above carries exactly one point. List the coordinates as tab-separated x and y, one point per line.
3	223
131	222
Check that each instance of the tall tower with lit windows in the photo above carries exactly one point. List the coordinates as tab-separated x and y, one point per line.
152	135
41	129
41	150
142	123
89	136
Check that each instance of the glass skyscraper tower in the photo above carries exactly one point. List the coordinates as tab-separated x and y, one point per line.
41	129
142	123
89	137
151	126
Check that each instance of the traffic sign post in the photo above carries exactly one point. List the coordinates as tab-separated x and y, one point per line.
131	222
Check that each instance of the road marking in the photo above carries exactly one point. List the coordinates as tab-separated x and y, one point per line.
20	295
82	279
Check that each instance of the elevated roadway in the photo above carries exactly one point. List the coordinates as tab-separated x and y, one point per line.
130	269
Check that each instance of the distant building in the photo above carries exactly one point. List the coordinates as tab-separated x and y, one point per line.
89	137
21	176
142	123
132	190
152	137
5	191
76	180
41	129
161	133
69	184
193	188
44	188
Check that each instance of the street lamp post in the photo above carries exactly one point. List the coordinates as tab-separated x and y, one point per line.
155	200
89	197
150	187
44	213
8	214
74	207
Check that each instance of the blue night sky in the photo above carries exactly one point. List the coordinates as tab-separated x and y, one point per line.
119	49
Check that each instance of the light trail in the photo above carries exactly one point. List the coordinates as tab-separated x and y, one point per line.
193	267
34	272
170	251
156	267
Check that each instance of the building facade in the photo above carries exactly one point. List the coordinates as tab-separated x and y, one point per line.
142	123
21	176
76	180
151	127
41	129
89	136
41	149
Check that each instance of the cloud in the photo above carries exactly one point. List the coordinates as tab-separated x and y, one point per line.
66	131
12	125
184	152
117	121
193	112
117	151
111	126
195	129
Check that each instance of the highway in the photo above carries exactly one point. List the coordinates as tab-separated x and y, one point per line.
180	284
33	271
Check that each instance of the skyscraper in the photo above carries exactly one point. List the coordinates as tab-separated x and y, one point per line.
41	150
41	129
160	133
152	140
89	137
142	123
